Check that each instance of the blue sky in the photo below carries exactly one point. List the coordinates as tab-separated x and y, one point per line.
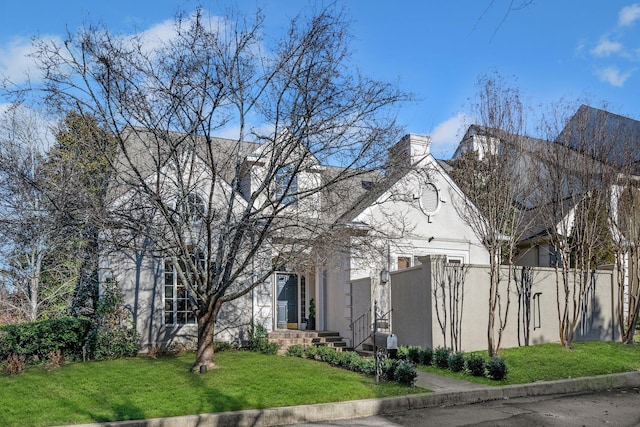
553	50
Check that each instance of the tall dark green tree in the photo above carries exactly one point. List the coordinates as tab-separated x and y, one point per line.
77	173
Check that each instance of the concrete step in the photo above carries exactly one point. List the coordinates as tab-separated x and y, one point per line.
286	339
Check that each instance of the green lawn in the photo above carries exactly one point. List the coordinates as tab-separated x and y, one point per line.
553	362
146	388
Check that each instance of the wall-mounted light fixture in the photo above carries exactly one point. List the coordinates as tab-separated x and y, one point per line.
384	276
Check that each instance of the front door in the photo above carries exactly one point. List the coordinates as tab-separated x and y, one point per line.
287	294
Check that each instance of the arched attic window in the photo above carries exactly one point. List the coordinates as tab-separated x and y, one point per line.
429	198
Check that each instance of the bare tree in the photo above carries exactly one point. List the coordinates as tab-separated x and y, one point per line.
574	198
626	204
624	215
495	175
37	274
448	296
523	278
225	212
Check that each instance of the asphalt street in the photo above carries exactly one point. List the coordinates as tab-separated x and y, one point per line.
620	407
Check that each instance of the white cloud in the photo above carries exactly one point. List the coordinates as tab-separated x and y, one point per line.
446	135
606	48
163	32
629	15
15	62
17	65
613	76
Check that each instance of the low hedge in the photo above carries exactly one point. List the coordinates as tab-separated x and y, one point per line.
392	370
36	340
444	358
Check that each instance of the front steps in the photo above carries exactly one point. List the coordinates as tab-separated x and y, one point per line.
286	339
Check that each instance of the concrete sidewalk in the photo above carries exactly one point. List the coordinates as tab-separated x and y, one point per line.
446	392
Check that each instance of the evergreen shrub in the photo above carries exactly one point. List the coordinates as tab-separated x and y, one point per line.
441	357
475	365
496	368
456	361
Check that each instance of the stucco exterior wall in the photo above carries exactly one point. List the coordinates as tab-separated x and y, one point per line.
141	280
412	317
415	323
336	291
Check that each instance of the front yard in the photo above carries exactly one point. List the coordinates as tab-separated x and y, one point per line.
143	387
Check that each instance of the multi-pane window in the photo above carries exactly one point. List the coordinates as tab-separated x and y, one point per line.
178	304
286	185
192	208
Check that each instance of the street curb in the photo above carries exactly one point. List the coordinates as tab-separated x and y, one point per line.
389	405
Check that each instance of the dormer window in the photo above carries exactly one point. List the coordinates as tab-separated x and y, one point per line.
286	185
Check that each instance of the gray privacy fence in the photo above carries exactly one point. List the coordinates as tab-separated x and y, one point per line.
437	304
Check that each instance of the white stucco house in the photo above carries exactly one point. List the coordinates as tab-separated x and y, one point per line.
389	222
391	218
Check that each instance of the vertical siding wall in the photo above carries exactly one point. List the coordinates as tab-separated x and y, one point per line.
415	323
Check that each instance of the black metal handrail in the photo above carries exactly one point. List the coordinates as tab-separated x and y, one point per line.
361	329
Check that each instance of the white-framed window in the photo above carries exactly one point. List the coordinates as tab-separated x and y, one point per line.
192	207
179	305
286	185
449	259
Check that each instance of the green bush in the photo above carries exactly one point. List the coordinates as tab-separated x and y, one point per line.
258	340
114	343
456	361
351	360
403	352
426	355
311	352
441	357
327	354
388	369
354	362
496	369
475	365
367	366
295	351
405	373
36	340
114	334
413	354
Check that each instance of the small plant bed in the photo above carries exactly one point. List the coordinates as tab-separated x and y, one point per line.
548	362
145	387
401	371
442	360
